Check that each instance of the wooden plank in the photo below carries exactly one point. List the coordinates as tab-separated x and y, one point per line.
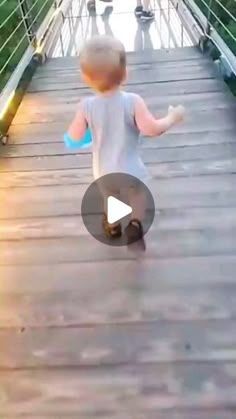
193	168
72	226
145	76
47	205
174	274
84	175
138	343
203	292
183	414
161	244
49	112
211	120
165	54
148	75
187	289
160	188
212	191
148	56
170	140
148	90
161	93
65	160
195	101
46	75
70	391
48	71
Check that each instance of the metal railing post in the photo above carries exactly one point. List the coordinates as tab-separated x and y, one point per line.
24	10
209	14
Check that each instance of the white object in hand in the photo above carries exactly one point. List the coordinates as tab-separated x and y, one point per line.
177	113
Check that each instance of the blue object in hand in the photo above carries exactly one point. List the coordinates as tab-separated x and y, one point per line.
84	142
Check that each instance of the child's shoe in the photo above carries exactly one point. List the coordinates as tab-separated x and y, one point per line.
138	11
106	14
147	16
91	6
134	234
112	231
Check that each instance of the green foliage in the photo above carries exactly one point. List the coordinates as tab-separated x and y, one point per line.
15	29
223	23
231	26
219	18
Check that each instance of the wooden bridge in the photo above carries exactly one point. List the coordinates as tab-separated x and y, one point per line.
87	330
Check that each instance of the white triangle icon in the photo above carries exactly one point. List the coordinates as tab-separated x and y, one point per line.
116	210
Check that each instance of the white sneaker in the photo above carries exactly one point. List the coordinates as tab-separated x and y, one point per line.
147	16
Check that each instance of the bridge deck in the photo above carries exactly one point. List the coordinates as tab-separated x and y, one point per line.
86	330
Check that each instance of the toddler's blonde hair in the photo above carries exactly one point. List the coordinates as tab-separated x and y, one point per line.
103	63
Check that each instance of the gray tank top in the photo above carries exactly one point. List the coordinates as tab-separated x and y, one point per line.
116	138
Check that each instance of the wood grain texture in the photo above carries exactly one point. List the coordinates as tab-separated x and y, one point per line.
146	75
67	177
126	389
56	145
158	105
47	75
119	303
188	192
148	91
72	226
46	72
64	160
161	244
177	414
150	56
188	271
200	121
89	330
139	343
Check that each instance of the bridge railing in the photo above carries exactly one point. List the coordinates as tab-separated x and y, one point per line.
23	26
24	23
217	20
20	21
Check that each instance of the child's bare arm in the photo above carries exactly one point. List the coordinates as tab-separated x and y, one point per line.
150	126
78	126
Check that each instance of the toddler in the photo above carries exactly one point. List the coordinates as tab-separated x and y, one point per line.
116	119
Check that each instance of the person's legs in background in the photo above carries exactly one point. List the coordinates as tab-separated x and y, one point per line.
143	10
91	5
106	20
139	9
147	12
147	39
138	40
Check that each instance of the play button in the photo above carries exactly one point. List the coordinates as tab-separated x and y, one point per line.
116	210
115	201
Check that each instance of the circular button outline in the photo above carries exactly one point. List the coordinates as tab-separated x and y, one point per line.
93	206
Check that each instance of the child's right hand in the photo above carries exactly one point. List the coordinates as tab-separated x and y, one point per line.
176	113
